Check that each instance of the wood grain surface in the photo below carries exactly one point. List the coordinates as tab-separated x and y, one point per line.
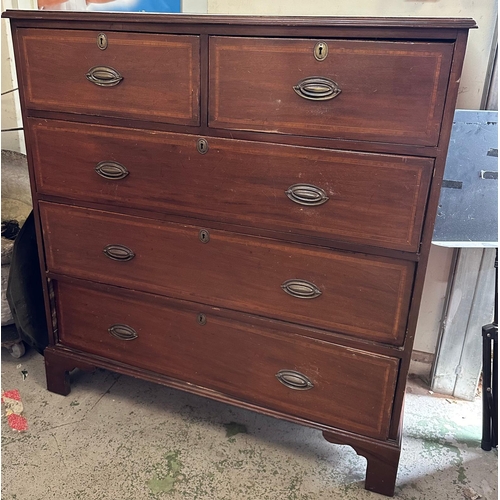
364	296
377	200
234	357
252	80
161	74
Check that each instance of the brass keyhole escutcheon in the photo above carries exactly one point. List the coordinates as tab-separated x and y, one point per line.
201	319
202	146
102	41
204	236
320	51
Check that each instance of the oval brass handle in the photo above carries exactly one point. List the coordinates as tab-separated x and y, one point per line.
294	380
317	88
111	170
301	289
118	252
123	332
307	194
104	76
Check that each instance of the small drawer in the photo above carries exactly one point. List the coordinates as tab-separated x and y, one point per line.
370	199
307	378
363	90
355	294
143	76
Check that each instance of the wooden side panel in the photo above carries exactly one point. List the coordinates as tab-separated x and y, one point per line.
364	296
161	74
377	200
390	92
233	357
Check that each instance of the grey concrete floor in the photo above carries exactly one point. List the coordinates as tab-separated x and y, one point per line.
117	438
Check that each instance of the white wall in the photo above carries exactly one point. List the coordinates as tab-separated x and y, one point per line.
194	6
11	117
11	111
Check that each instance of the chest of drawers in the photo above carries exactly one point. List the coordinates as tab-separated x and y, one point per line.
241	207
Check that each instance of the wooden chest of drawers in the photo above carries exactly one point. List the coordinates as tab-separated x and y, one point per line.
241	207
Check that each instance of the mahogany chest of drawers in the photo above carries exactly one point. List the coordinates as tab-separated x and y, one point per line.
241	207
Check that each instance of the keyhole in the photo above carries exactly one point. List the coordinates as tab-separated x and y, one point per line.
204	236
202	146
320	51
102	41
201	319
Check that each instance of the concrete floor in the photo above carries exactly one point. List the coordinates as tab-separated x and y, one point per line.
117	438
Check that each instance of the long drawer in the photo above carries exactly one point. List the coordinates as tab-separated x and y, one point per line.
303	377
144	76
355	294
366	90
361	198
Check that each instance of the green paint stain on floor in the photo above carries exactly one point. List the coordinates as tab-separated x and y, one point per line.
462	478
438	448
165	482
234	428
443	426
164	485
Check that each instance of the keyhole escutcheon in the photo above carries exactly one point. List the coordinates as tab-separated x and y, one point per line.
102	41
201	319
204	236
320	51
202	146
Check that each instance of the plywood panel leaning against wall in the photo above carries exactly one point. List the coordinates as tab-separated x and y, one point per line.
207	232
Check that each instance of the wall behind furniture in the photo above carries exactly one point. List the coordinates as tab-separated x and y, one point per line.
11	112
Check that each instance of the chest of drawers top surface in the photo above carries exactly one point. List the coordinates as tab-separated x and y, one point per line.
134	20
250	199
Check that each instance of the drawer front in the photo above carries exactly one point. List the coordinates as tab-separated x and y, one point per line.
161	74
364	296
362	198
232	357
389	91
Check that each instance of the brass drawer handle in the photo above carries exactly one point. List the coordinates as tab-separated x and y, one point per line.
316	88
301	289
123	332
294	380
118	252
111	170
307	194
104	76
